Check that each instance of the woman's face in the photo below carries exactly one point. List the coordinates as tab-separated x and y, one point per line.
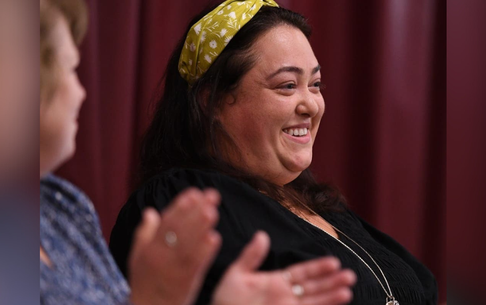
274	113
58	116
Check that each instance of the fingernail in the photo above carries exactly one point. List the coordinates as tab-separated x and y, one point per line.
212	195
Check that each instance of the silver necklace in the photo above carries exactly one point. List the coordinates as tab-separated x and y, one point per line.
390	299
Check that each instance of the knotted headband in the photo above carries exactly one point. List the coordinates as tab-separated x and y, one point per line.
208	37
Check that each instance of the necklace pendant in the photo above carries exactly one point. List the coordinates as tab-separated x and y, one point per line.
391	301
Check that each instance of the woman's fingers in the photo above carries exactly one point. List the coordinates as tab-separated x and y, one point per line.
254	253
173	250
322	281
147	229
187	227
191	216
343	295
212	196
206	254
194	205
315	286
194	226
315	268
183	205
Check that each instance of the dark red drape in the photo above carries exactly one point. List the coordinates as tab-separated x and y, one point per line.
382	139
466	148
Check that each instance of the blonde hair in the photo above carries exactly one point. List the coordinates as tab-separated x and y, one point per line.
76	14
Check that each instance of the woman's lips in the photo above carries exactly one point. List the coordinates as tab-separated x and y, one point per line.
304	139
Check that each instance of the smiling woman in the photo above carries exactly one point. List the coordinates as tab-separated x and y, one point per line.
171	250
274	113
243	119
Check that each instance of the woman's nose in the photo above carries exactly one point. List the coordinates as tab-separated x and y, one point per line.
308	106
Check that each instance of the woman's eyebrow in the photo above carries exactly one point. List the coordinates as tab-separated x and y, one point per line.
293	69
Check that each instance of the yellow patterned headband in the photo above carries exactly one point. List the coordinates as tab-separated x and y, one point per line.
208	37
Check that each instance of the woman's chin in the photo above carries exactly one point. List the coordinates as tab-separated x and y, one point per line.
298	163
67	153
292	172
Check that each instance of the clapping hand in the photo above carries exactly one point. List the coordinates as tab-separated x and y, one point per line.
173	250
320	281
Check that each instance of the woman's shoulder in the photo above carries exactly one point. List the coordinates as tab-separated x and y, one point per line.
62	196
190	177
165	186
237	197
159	191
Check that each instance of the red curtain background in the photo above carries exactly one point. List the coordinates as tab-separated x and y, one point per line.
466	149
382	139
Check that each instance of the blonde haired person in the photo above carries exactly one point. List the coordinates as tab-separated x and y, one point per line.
172	250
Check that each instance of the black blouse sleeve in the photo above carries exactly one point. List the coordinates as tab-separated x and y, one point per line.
158	193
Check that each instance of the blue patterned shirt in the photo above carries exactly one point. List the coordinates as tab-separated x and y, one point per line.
83	270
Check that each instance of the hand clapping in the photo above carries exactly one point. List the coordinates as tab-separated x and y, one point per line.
320	281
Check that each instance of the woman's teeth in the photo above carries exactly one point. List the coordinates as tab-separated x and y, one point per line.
296	132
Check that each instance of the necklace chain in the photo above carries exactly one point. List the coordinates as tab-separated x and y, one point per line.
389	292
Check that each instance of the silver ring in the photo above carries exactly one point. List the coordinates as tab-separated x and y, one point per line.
298	290
170	239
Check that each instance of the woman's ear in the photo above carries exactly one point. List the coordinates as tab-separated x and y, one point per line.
203	98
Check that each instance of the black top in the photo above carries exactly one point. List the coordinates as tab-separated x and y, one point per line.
244	210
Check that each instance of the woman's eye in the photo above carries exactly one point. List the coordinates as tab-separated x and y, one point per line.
288	86
316	86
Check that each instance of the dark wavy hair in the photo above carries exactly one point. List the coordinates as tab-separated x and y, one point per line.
185	132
